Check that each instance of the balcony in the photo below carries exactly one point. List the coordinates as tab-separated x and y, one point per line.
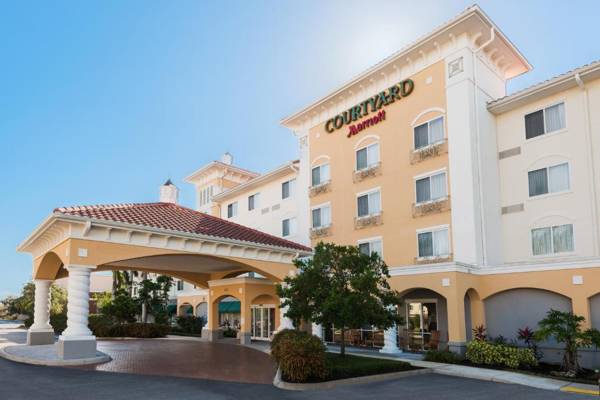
368	221
370	171
431	207
433	150
320	232
318	189
433	260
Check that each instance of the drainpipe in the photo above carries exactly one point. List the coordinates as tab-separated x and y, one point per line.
477	130
590	156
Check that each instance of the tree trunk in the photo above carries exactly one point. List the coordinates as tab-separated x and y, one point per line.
343	344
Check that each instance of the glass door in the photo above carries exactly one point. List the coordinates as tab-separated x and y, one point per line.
421	320
263	322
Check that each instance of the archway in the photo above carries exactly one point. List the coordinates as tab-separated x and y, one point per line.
425	314
202	312
185	310
595	311
474	312
264	318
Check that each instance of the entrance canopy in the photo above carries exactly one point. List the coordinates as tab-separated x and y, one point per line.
156	237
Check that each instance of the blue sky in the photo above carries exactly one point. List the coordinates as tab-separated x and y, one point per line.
101	102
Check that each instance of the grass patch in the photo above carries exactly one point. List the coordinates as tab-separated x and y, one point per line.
351	366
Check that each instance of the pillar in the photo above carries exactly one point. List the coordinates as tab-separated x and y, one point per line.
284	322
581	307
41	331
317	330
245	320
211	331
390	339
457	334
77	341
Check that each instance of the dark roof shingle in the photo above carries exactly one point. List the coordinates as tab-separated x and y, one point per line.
173	217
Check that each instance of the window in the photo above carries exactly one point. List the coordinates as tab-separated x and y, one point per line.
544	121
434	243
206	195
232	210
367	157
429	133
320	174
552	240
179	285
549	180
321	217
253	201
287	188
369	204
288	227
431	188
371	246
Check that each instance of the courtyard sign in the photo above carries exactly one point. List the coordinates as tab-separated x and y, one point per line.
372	104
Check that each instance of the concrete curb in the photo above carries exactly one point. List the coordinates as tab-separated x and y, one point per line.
99	359
279	383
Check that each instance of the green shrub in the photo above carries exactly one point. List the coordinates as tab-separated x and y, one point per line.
58	322
229	333
349	366
190	324
101	325
481	352
300	356
443	356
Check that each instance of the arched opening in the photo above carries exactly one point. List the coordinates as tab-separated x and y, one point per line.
202	312
474	312
595	311
264	317
425	316
185	310
229	314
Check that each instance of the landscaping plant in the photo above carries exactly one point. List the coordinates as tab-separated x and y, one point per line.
300	355
502	355
342	287
566	328
527	335
443	356
479	333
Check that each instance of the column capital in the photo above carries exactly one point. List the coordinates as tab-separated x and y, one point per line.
80	267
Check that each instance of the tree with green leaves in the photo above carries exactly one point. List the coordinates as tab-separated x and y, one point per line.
153	297
24	303
566	328
342	287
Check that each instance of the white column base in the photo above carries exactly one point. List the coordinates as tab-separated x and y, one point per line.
75	347
390	350
37	337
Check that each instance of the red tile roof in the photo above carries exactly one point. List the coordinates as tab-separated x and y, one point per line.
173	217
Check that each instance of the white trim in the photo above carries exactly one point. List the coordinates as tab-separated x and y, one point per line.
365	138
375	189
328	203
429	142
552	253
434	228
369	166
547	168
430	173
413	124
371	240
543	110
323	156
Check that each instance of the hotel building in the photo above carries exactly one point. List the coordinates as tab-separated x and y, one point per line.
485	206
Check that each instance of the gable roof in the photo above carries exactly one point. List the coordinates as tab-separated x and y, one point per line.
173	217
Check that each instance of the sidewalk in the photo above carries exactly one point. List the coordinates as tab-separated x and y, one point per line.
483	374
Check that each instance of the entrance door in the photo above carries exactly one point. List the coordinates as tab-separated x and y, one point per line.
263	322
421	320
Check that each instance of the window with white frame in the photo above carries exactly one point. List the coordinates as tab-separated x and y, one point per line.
253	201
321	216
367	157
552	240
430	132
434	243
369	203
371	246
547	120
232	209
288	227
320	174
431	188
287	188
549	180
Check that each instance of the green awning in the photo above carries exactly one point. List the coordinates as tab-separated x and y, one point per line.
172	309
231	307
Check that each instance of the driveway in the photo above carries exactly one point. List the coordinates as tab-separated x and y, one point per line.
187	359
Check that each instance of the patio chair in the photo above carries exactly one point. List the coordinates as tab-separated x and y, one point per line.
434	341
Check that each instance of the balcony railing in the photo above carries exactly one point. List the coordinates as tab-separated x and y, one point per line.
318	189
368	220
431	207
370	171
322	231
433	150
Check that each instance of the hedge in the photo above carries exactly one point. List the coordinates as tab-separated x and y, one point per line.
300	356
105	326
497	354
443	356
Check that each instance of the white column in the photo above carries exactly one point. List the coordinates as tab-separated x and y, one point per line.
317	330
77	340
284	322
41	331
390	345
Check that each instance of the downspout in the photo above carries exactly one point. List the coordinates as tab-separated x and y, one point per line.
593	183
477	131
